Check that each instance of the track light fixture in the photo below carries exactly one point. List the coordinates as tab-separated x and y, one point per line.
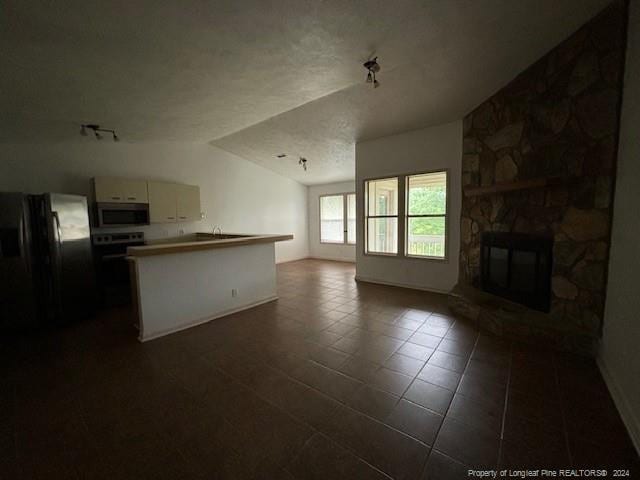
96	131
303	162
372	66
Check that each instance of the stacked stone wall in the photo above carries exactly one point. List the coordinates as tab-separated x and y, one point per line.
557	120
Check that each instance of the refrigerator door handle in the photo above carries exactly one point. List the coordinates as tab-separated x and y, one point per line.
57	293
57	220
24	252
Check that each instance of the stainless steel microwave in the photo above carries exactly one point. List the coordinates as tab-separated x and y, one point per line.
122	214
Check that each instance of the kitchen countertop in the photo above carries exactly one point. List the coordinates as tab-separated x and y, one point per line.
203	241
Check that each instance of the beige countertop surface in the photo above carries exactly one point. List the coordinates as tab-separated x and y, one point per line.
203	241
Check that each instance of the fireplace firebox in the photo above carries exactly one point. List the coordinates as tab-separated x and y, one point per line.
517	267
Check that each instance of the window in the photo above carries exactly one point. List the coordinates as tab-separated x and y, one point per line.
334	209
381	216
332	219
426	214
424	211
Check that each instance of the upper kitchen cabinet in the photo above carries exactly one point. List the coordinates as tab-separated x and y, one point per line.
120	190
162	202
172	202
188	203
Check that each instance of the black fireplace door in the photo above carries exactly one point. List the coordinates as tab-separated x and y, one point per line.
517	267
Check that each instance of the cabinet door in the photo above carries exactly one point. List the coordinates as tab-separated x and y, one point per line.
134	191
162	202
188	203
109	189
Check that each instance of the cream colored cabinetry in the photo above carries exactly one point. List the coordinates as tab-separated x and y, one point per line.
188	203
172	202
162	202
120	190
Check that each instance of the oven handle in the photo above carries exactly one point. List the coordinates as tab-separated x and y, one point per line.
114	256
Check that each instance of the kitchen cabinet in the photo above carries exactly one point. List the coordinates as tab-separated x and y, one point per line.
162	202
172	202
188	203
120	190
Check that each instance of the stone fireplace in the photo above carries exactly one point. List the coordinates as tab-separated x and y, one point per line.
539	162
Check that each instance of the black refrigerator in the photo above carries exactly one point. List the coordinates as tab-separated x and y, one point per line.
46	268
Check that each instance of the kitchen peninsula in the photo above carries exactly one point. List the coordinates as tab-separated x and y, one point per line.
196	278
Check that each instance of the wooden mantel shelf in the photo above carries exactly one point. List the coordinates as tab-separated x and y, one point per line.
527	184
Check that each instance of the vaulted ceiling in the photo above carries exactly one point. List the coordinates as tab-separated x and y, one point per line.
258	77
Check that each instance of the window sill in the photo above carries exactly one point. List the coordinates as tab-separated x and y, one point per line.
337	243
381	254
432	259
407	257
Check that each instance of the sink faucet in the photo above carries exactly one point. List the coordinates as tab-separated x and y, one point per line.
217	227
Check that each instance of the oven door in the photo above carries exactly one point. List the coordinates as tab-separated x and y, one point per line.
122	214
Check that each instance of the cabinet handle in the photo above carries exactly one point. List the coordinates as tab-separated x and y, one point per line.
183	218
171	218
115	198
131	198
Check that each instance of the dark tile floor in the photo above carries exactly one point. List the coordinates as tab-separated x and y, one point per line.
334	380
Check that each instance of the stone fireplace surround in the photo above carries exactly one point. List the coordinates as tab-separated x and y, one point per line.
539	158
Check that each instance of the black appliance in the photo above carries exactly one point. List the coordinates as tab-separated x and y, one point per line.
46	269
121	214
112	267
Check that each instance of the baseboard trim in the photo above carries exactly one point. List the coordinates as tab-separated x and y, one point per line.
360	278
291	260
332	259
200	321
628	417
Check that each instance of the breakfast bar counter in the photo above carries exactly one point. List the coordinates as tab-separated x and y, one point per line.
203	241
184	282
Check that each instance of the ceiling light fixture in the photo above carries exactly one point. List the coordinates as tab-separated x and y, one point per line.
303	162
372	66
281	155
96	130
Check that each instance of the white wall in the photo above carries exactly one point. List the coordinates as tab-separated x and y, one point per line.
427	149
235	193
346	253
620	354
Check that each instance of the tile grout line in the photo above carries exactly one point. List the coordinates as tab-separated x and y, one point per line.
565	429
327	437
313	428
379	366
428	358
506	403
435	438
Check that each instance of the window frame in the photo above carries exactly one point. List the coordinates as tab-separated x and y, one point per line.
445	215
366	216
402	226
345	218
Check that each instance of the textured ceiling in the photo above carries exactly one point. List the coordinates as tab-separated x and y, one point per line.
258	77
